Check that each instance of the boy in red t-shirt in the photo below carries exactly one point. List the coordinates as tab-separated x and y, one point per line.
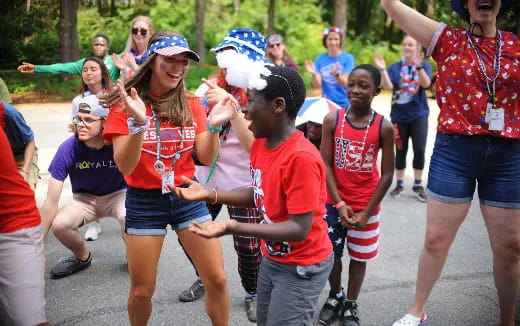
289	191
351	140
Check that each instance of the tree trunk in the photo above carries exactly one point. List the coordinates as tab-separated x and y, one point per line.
430	11
200	8
340	14
236	6
270	17
113	8
69	48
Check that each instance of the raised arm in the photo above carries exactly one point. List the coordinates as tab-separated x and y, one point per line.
411	21
127	148
385	78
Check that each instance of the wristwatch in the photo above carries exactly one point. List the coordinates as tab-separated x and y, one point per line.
419	67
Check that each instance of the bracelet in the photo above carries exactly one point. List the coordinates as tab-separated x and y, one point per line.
382	69
211	129
340	204
419	67
135	127
22	170
216	196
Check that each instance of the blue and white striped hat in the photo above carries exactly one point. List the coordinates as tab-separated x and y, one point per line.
170	46
245	41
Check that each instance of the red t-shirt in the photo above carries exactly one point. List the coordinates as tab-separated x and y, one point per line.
17	204
144	175
461	89
290	179
355	165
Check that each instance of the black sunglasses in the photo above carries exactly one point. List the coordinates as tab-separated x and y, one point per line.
142	31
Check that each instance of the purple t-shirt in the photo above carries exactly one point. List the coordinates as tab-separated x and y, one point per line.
91	171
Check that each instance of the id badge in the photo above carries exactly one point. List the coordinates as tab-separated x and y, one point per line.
496	120
167	179
489	107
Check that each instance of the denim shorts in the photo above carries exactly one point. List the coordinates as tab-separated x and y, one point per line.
460	162
148	212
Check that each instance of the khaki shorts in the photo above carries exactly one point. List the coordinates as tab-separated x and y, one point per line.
85	208
33	174
22	286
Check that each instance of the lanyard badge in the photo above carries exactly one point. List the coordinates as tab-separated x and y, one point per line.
167	177
494	117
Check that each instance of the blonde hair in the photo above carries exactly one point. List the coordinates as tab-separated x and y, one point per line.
171	105
130	41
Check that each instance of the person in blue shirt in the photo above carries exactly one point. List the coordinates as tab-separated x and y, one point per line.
408	79
331	69
23	146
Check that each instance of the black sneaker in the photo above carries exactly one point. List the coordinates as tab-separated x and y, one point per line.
69	266
419	193
397	191
349	315
195	291
331	309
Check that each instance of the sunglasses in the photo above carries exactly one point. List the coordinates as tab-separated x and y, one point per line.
137	31
87	122
273	45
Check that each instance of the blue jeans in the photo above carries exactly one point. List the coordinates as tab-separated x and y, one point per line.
148	212
287	294
460	162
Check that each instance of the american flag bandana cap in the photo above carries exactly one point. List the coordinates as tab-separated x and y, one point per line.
245	41
170	46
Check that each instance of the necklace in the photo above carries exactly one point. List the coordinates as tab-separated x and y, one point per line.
159	166
496	63
366	128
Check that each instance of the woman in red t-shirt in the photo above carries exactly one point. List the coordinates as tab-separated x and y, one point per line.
478	142
154	125
289	191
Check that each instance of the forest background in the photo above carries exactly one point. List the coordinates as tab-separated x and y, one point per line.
50	31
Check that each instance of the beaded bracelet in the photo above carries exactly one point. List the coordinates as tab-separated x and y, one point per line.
135	127
211	129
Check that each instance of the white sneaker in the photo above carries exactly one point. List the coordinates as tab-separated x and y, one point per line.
411	320
94	229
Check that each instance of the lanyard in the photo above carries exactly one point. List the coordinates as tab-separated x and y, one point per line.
496	64
159	165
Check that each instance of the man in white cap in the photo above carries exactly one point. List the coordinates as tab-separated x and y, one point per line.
98	187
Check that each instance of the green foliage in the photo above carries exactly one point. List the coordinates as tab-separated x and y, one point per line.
41	83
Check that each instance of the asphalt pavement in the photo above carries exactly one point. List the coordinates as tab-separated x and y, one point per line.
465	294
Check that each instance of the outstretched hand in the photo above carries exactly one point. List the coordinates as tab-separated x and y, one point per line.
26	68
118	62
134	104
211	229
194	192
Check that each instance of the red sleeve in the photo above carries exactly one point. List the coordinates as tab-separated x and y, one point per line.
116	123
199	114
450	40
302	181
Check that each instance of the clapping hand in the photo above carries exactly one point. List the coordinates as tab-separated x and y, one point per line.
134	104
